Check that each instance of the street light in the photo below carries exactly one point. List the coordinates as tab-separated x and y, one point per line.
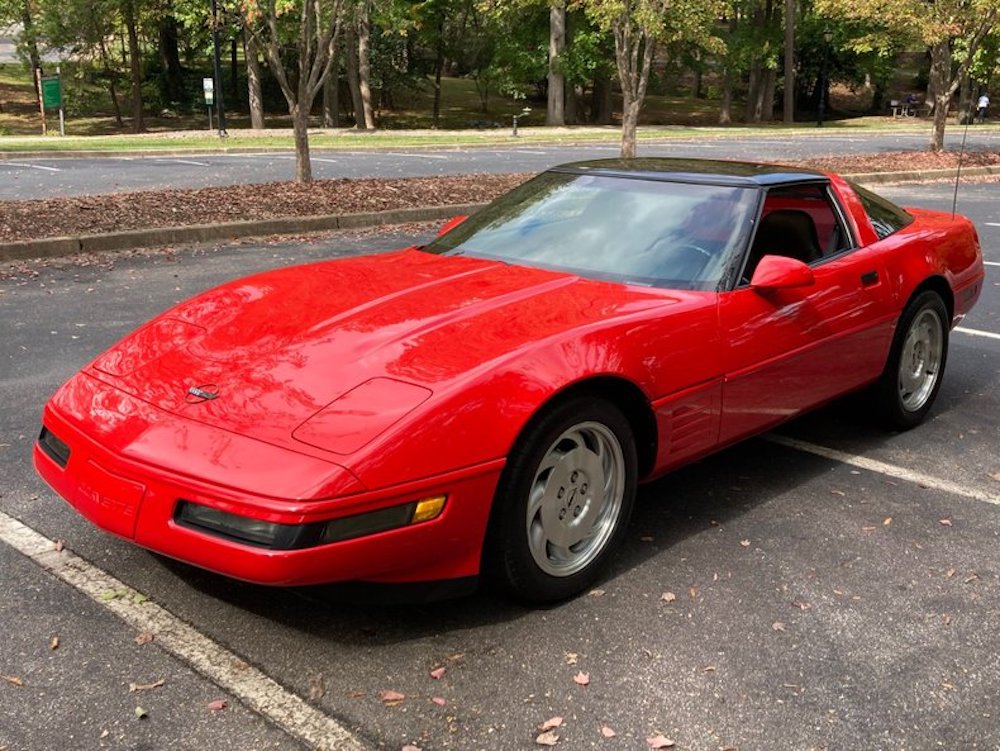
217	72
827	38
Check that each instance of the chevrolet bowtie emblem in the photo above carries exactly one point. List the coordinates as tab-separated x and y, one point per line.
202	393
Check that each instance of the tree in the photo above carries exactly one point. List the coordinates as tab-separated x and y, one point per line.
555	113
953	30
294	23
638	26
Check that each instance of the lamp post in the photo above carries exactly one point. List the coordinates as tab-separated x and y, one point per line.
827	38
217	71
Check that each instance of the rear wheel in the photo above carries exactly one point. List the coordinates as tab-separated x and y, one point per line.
563	502
913	373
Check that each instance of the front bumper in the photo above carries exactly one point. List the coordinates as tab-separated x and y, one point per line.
109	478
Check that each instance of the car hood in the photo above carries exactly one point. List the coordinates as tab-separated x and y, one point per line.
356	342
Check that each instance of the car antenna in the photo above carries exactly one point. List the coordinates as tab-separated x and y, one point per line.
958	172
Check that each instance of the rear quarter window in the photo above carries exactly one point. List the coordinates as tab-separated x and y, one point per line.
885	216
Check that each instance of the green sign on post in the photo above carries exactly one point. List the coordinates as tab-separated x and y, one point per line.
51	92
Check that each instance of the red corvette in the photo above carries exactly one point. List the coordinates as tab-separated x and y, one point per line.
488	403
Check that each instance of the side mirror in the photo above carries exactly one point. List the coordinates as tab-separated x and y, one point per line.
781	272
451	224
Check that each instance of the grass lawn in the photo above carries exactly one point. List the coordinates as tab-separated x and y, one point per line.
463	123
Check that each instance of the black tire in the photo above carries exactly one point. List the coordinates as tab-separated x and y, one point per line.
578	462
913	373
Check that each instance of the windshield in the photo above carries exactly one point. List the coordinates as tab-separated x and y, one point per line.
663	234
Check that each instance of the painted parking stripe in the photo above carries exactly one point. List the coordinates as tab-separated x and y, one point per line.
977	332
992	224
891	470
990	263
185	161
417	156
251	686
34	166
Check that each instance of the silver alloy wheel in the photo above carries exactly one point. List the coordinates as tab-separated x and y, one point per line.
920	360
575	499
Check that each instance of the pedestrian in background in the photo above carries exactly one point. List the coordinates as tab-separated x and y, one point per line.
981	106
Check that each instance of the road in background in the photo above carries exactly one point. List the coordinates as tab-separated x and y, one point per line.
22	178
818	604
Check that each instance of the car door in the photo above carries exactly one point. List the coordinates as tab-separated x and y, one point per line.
791	349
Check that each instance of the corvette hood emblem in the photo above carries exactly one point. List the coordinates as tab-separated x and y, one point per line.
205	393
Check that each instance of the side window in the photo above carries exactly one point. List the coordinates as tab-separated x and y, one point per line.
798	221
885	216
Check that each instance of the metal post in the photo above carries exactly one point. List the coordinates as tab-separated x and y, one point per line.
62	111
217	73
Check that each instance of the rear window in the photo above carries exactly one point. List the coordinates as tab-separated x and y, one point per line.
886	217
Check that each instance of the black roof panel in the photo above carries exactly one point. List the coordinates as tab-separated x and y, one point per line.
708	171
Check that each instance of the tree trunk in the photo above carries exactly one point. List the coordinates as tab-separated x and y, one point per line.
135	66
438	71
254	94
170	59
630	122
28	35
234	74
331	99
940	71
788	110
364	65
555	113
767	95
966	111
300	125
726	105
351	42
600	109
571	110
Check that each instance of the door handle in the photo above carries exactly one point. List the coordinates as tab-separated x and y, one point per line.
869	278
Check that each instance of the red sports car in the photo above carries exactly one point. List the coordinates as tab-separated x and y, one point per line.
487	403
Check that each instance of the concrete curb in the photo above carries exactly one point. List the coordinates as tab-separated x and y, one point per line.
52	247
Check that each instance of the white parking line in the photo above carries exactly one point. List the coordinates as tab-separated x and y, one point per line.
254	688
34	166
990	263
901	473
977	332
185	161
417	156
992	224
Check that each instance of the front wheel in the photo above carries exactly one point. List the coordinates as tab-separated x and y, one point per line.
913	372
563	501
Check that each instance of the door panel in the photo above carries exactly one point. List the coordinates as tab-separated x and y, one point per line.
789	350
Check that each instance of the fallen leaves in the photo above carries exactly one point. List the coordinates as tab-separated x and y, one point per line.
390	698
801	605
660	741
607	732
14	680
571	658
140	713
58	545
551	724
439	700
778	626
438	673
548	738
945	522
218	705
317	687
745	543
54	642
668	597
582	679
144	638
133	687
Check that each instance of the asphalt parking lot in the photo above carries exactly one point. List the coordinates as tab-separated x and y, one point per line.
846	600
